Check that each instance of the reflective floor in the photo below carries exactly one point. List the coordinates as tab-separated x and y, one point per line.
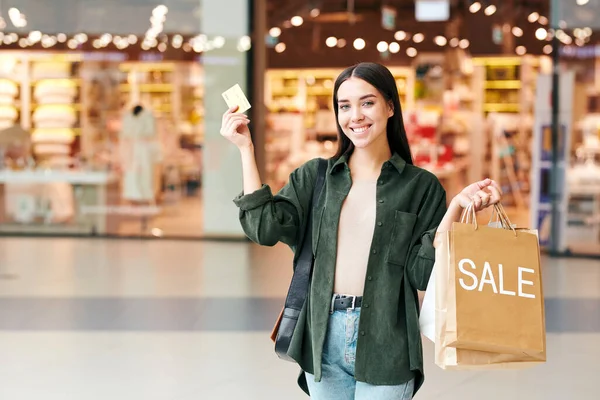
116	319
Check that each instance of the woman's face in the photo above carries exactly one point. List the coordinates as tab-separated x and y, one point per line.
363	113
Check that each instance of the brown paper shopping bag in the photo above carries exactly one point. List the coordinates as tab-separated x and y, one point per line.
499	305
485	335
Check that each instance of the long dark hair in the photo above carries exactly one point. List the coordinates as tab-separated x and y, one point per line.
383	80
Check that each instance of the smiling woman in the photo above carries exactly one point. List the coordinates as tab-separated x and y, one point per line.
372	230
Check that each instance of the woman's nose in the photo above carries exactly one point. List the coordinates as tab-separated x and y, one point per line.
357	115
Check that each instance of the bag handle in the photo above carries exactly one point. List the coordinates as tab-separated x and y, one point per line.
469	216
506	224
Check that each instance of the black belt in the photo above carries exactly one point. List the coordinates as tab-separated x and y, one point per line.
346	302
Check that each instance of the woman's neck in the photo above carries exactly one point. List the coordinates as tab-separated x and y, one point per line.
365	163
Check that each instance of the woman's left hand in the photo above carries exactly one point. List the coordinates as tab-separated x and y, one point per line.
482	194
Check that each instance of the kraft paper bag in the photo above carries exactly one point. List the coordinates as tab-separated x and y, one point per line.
495	296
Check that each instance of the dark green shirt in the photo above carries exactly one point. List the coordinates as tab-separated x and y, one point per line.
410	205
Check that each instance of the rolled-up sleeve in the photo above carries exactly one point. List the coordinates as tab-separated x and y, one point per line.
268	219
422	255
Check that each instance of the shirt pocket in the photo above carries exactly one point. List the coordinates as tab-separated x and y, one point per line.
401	238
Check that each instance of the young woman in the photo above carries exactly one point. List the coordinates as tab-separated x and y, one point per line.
374	225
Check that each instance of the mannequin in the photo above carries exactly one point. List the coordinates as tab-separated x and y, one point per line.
140	154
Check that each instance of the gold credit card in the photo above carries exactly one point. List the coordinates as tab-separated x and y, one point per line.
235	97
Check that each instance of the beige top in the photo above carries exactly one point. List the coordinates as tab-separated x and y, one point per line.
355	234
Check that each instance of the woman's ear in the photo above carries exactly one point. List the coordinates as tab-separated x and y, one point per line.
390	109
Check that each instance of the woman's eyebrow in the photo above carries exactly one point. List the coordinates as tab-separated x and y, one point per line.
366	96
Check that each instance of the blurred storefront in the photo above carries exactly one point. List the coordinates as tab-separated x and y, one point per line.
108	113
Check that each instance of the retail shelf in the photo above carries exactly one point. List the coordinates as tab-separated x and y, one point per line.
501	107
149	87
508	84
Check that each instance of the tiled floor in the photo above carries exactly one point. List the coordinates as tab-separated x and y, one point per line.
110	319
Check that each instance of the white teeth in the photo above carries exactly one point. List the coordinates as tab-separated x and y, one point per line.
360	130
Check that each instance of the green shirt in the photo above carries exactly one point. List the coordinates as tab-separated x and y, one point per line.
410	205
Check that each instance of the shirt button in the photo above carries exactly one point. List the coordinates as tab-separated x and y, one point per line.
380	224
366	305
381	201
381	182
374	251
370	278
362	333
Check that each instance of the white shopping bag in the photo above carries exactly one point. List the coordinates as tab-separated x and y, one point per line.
427	317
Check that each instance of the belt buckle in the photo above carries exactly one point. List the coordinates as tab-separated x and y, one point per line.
353	302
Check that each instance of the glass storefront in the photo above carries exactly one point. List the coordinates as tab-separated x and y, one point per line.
105	109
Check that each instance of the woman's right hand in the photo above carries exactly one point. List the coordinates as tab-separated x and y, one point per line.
235	128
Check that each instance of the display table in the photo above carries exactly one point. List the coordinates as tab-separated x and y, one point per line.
50	201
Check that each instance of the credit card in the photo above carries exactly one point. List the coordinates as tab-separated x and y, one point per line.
235	97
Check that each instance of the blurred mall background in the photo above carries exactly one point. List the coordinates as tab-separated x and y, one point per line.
507	89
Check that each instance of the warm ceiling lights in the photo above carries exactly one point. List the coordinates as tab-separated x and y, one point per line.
400	35
541	34
543	20
382	47
418	37
341	43
411	52
280	47
359	44
533	17
275	32
548	49
521	50
475	7
454	42
394	47
518	32
463	44
440	41
331	41
297	20
490	10
315	12
582	2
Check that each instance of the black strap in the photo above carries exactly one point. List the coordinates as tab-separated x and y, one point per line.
303	265
304	262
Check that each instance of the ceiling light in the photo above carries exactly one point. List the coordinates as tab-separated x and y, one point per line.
275	32
359	44
280	47
382	47
162	47
582	2
490	10
543	20
518	32
579	42
418	37
400	35
394	47
440	40
331	41
72	44
521	50
454	42
464	44
245	43
533	17
541	34
548	49
297	20
341	43
315	12
35	36
475	7
411	52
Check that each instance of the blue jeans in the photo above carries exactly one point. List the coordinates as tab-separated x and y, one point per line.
339	355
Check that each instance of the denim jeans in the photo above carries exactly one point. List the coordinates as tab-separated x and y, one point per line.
339	355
